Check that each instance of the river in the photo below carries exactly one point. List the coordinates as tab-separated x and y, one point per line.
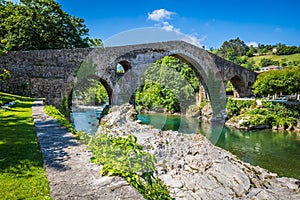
277	151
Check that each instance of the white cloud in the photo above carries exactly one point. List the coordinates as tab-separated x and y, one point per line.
254	44
168	27
193	39
160	15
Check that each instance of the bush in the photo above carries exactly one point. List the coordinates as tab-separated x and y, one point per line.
236	107
120	156
123	156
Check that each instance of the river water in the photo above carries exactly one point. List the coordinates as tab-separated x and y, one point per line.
277	151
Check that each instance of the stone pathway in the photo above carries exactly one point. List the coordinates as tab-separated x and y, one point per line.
70	173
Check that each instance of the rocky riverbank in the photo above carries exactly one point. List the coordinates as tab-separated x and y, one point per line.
261	114
193	168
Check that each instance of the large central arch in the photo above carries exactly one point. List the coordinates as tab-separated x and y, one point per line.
137	58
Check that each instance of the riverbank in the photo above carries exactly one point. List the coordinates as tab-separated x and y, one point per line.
70	173
261	114
193	168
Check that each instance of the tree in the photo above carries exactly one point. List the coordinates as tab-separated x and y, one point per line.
232	49
268	62
285	81
282	49
40	24
169	84
92	92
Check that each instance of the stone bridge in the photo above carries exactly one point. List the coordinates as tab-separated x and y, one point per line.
53	73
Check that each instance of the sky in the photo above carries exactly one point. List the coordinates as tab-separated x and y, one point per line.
204	23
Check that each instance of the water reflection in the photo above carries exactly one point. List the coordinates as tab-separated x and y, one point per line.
85	118
276	151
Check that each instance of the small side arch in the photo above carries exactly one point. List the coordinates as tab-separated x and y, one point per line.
121	68
239	86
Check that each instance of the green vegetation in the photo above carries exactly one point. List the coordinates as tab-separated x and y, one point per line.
63	121
92	92
283	60
4	76
285	81
120	156
276	115
21	165
170	85
123	156
40	24
6	98
235	50
282	49
236	107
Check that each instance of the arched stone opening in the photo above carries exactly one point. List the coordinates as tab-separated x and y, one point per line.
190	91
121	68
238	86
92	91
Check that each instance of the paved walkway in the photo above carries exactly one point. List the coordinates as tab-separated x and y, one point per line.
70	173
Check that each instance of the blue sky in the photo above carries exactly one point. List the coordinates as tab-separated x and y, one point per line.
207	23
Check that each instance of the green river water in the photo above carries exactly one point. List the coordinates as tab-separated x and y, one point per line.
276	151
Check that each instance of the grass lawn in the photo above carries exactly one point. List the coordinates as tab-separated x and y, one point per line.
285	58
22	175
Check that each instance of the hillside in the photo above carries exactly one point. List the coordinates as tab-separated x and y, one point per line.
293	58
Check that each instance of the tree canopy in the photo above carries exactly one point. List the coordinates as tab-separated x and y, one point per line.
40	24
169	84
232	49
285	81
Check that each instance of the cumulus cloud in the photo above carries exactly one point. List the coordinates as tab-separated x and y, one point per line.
160	15
193	39
168	27
254	44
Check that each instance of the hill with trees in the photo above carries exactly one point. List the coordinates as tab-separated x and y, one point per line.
254	58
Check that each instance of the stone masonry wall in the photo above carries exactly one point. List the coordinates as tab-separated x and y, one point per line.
51	73
45	73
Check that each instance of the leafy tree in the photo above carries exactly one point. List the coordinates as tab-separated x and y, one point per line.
282	49
232	49
250	64
251	51
40	24
285	81
169	84
267	62
92	92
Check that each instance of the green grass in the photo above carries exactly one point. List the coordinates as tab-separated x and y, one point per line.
22	175
284	58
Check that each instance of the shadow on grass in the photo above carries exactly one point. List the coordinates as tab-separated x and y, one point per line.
18	143
19	146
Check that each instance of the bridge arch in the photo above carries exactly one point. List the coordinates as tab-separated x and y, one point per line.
140	59
82	84
52	73
238	85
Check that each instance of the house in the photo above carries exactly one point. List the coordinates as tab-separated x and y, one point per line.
272	67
